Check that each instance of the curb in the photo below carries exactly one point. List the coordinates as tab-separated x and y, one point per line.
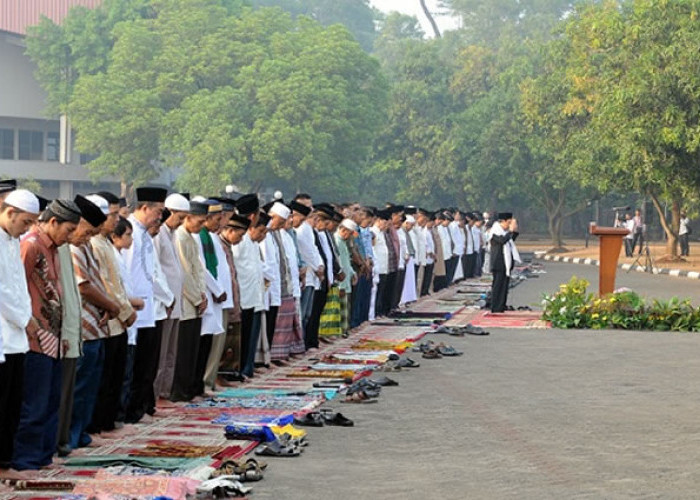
680	273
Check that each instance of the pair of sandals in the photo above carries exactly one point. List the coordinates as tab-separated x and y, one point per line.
223	487
279	448
250	470
460	331
322	418
362	392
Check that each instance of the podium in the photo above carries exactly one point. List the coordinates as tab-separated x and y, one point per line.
610	245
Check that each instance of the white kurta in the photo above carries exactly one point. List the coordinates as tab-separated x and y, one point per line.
248	262
170	264
139	261
309	253
409	293
429	245
212	317
271	271
15	302
163	296
223	273
381	251
290	250
403	248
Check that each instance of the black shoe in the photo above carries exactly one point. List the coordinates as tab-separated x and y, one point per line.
64	450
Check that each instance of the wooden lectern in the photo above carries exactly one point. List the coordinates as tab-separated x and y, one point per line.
610	245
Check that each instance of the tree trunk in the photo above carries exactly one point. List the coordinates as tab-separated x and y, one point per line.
671	229
556	221
431	20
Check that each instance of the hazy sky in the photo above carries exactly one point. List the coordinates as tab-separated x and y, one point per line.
413	8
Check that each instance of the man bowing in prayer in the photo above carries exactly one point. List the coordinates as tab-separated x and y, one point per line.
504	254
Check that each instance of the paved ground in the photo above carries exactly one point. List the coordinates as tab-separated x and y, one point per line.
523	414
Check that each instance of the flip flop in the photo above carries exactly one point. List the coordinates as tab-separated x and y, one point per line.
474	330
407	363
447	350
432	354
275	449
311	419
385	381
334	418
359	397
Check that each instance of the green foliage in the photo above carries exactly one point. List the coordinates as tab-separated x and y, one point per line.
573	307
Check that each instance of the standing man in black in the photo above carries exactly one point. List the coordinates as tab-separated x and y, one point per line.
504	255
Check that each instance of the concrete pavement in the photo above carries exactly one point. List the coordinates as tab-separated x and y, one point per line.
523	414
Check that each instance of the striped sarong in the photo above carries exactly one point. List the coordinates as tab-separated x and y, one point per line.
289	338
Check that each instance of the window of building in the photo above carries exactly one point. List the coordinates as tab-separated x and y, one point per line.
31	145
7	144
53	147
87	158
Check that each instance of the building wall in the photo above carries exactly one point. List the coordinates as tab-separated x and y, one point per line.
20	93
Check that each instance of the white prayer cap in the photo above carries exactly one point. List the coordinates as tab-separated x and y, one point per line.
280	209
410	219
23	200
278	195
177	203
199	199
101	203
349	224
486	215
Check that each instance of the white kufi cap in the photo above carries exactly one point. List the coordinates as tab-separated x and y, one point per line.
349	224
100	202
23	200
177	203
280	209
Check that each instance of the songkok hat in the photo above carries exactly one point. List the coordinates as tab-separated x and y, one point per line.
215	207
43	202
7	185
337	216
267	206
24	200
186	196
395	209
280	209
298	207
349	224
423	211
177	203
263	219
410	219
247	204
505	215
165	215
151	194
122	202
238	222
227	204
66	210
100	202
324	210
410	210
199	208
384	214
89	211
112	199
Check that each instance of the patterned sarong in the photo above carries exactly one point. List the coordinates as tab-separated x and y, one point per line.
331	321
289	338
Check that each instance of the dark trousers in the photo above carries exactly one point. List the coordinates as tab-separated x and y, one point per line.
11	385
470	265
427	279
638	239
251	322
499	291
311	334
361	300
477	264
398	288
628	247
482	259
184	381
465	265
201	366
145	370
439	283
685	244
126	384
306	304
109	395
451	267
69	367
87	385
379	302
390	291
271	320
36	436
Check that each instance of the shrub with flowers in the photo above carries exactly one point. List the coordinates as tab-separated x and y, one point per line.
573	307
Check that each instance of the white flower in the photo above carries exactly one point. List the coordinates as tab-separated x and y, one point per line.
562	310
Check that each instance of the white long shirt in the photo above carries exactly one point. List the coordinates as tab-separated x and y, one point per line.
223	273
248	262
290	251
476	236
139	261
429	245
271	270
161	291
403	249
446	242
381	251
457	238
170	264
212	317
470	239
309	253
418	245
15	302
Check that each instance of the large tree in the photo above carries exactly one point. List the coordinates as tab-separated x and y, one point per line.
635	69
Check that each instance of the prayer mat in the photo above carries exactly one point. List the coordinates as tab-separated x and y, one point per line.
355	367
168	464
511	319
323	373
137	486
164	449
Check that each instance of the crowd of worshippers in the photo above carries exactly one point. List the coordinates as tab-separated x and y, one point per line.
104	310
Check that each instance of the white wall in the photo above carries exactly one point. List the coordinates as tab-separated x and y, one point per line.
20	94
